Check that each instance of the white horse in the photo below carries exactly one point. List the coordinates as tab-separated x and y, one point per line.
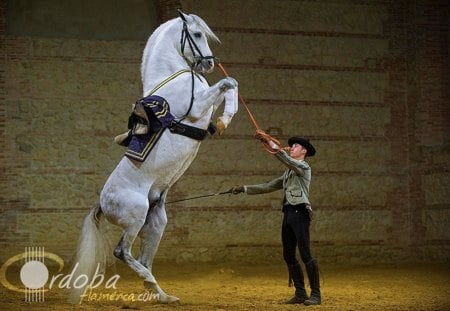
134	195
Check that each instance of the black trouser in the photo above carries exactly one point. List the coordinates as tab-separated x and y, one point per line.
295	232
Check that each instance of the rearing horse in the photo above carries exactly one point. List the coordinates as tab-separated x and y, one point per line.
134	195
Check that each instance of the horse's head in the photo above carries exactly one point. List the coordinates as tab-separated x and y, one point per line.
194	43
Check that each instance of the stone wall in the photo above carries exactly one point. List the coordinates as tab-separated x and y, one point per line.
367	81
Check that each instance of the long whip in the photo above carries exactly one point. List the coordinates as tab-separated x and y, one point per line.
200	196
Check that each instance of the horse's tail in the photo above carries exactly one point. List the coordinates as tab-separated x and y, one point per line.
94	252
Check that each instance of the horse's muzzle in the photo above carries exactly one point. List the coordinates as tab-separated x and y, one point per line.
205	64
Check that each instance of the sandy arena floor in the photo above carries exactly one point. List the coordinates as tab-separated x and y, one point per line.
234	287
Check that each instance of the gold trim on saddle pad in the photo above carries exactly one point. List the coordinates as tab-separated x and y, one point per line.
141	156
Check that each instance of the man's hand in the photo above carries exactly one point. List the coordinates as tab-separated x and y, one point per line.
267	140
261	135
237	189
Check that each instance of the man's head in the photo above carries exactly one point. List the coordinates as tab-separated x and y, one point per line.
300	148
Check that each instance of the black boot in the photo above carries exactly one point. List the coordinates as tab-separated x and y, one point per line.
312	268
296	274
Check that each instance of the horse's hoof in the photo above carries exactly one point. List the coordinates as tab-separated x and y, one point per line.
166	299
228	83
220	126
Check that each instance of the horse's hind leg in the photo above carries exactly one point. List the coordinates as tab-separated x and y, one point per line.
128	211
151	234
123	252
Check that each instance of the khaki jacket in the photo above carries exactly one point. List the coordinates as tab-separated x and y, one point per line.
295	181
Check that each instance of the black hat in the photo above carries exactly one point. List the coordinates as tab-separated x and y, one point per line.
311	151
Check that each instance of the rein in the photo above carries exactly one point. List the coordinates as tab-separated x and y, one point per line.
186	37
259	131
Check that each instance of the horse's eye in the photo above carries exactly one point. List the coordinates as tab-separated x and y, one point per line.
198	35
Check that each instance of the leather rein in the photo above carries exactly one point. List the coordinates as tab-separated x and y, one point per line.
186	37
266	137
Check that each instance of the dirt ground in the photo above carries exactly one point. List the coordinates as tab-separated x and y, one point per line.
243	287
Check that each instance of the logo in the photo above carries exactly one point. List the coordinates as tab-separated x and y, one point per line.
36	280
34	275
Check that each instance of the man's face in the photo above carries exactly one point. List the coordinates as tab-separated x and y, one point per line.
297	151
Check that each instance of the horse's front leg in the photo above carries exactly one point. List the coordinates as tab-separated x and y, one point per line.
212	96
226	84
231	107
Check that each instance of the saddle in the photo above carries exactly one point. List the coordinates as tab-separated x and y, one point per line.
149	117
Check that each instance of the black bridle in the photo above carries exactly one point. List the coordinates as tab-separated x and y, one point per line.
186	37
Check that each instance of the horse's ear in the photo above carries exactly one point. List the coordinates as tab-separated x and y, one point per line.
183	17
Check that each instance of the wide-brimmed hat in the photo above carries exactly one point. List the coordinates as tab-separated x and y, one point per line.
311	151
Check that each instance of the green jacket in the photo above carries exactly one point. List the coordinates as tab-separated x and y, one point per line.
294	181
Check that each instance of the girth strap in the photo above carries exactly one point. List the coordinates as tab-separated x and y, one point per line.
191	131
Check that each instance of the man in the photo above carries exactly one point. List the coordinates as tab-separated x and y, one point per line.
297	214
